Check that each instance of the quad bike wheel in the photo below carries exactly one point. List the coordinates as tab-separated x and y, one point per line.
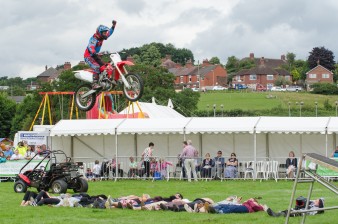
20	186
59	186
81	185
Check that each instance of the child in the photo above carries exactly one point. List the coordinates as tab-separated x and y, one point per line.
96	169
162	166
89	174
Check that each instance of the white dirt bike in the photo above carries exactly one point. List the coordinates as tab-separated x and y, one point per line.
114	75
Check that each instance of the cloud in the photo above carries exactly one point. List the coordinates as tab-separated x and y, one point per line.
37	33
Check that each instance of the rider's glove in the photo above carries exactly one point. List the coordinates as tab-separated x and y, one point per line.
114	23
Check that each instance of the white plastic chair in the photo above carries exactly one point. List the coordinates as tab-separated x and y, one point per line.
249	169
261	167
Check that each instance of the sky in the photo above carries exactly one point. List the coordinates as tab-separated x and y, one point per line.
39	33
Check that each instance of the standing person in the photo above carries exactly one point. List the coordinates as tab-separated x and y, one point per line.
189	153
219	164
146	157
291	165
96	169
93	48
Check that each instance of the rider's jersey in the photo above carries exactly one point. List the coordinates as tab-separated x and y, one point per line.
95	44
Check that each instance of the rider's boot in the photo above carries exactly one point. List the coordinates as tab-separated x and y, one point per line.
96	84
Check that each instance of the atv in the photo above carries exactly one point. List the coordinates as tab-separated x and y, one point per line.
55	171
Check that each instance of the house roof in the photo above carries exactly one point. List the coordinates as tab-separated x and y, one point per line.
202	71
319	66
270	62
263	69
49	72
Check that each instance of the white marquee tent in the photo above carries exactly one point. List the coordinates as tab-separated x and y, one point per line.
250	137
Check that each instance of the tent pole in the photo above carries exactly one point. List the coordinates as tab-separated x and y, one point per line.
116	160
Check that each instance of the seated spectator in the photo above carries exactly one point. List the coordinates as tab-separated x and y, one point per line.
30	153
335	153
43	150
16	155
21	148
97	169
8	152
291	165
133	170
114	168
207	165
231	167
89	174
2	157
219	164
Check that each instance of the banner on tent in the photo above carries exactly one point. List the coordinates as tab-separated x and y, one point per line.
12	168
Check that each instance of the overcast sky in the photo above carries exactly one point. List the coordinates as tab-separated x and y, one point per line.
36	33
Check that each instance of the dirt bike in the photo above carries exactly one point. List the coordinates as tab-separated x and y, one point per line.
114	75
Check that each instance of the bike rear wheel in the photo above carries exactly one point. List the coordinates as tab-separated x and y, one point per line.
135	91
86	103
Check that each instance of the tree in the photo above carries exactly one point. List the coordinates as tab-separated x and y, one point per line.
322	56
151	56
232	64
7	108
290	57
214	61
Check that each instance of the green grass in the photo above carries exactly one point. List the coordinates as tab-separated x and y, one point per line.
260	100
276	195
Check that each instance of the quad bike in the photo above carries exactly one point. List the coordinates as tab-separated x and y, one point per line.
52	174
114	75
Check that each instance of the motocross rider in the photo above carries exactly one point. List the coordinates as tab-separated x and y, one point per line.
94	46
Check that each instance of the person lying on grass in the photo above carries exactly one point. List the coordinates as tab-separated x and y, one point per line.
313	206
249	206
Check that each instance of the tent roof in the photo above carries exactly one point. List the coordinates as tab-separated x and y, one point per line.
221	125
333	125
153	126
85	127
292	125
153	110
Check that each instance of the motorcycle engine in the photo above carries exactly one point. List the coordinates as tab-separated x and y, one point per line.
105	85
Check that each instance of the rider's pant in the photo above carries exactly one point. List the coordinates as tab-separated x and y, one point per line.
93	64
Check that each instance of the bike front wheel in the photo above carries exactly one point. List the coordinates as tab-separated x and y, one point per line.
84	103
135	90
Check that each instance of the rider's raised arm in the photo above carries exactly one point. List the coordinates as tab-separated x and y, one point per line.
111	30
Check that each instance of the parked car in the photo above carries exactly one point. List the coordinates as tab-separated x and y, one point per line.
260	88
240	86
195	89
277	89
219	88
294	88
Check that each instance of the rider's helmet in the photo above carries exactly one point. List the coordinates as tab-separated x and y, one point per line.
101	31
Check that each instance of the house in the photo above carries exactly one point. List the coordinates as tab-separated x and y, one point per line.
264	74
200	76
50	74
318	74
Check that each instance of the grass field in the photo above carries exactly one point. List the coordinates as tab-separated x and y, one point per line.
262	100
274	194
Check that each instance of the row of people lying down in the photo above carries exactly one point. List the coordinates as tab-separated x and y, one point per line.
174	203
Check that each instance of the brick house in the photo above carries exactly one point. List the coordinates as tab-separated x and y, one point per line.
50	74
318	74
199	76
265	72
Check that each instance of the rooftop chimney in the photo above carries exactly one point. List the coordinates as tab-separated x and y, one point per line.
67	66
262	61
282	57
252	56
188	64
205	62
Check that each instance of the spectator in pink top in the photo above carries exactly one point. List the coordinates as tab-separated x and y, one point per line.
189	155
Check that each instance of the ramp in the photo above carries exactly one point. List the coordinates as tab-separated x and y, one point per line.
311	172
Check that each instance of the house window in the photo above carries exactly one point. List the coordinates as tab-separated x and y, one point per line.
325	76
312	76
253	77
269	77
287	78
198	78
189	78
238	78
181	79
